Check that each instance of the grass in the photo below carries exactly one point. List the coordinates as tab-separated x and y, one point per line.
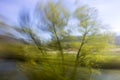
48	67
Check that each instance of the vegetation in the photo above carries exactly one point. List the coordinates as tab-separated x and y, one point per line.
63	56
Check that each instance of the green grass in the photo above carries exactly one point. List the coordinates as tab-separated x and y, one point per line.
48	67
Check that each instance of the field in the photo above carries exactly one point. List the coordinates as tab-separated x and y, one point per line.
26	62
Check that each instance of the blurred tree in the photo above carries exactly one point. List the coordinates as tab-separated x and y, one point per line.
50	18
93	38
56	18
27	28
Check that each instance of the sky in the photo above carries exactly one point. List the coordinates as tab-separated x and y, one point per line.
108	10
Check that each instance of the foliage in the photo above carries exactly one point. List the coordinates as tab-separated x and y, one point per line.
43	64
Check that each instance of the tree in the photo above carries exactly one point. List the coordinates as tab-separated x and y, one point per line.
92	39
55	17
27	28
